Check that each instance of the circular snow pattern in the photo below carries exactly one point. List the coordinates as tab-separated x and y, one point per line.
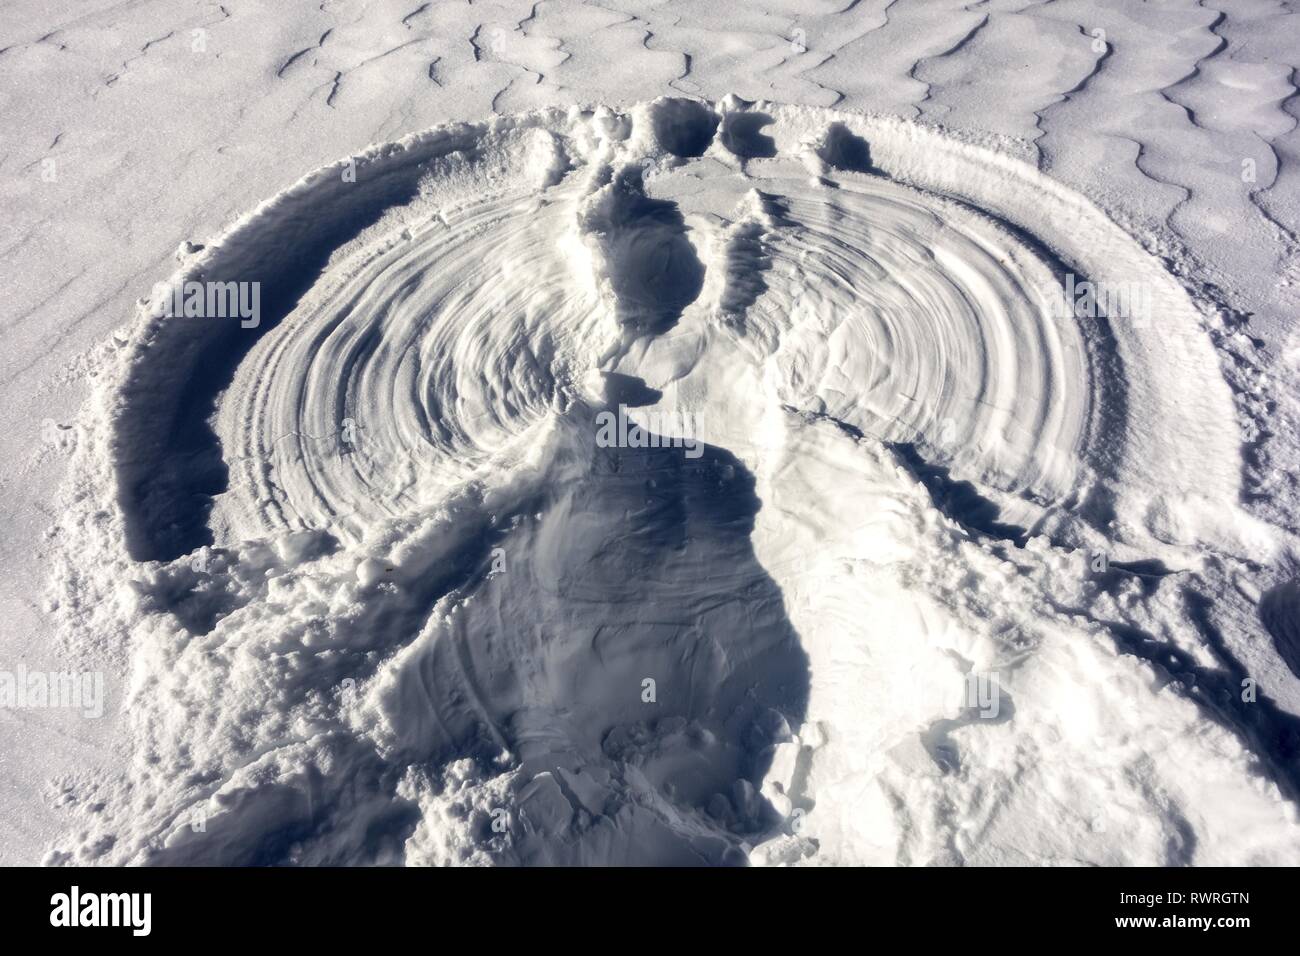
695	483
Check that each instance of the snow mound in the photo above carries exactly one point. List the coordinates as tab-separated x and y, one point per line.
701	483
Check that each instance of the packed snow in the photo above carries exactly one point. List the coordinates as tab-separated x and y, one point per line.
641	462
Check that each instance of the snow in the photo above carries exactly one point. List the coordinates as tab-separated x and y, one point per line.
946	570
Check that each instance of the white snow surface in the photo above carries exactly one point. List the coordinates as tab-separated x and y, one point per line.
940	573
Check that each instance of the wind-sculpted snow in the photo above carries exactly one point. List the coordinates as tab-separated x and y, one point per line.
695	483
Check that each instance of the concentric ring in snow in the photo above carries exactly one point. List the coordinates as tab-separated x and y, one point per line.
391	585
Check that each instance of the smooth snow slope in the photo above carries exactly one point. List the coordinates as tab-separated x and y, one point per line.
130	127
384	583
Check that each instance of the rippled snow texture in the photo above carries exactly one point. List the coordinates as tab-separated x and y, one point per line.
390	600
